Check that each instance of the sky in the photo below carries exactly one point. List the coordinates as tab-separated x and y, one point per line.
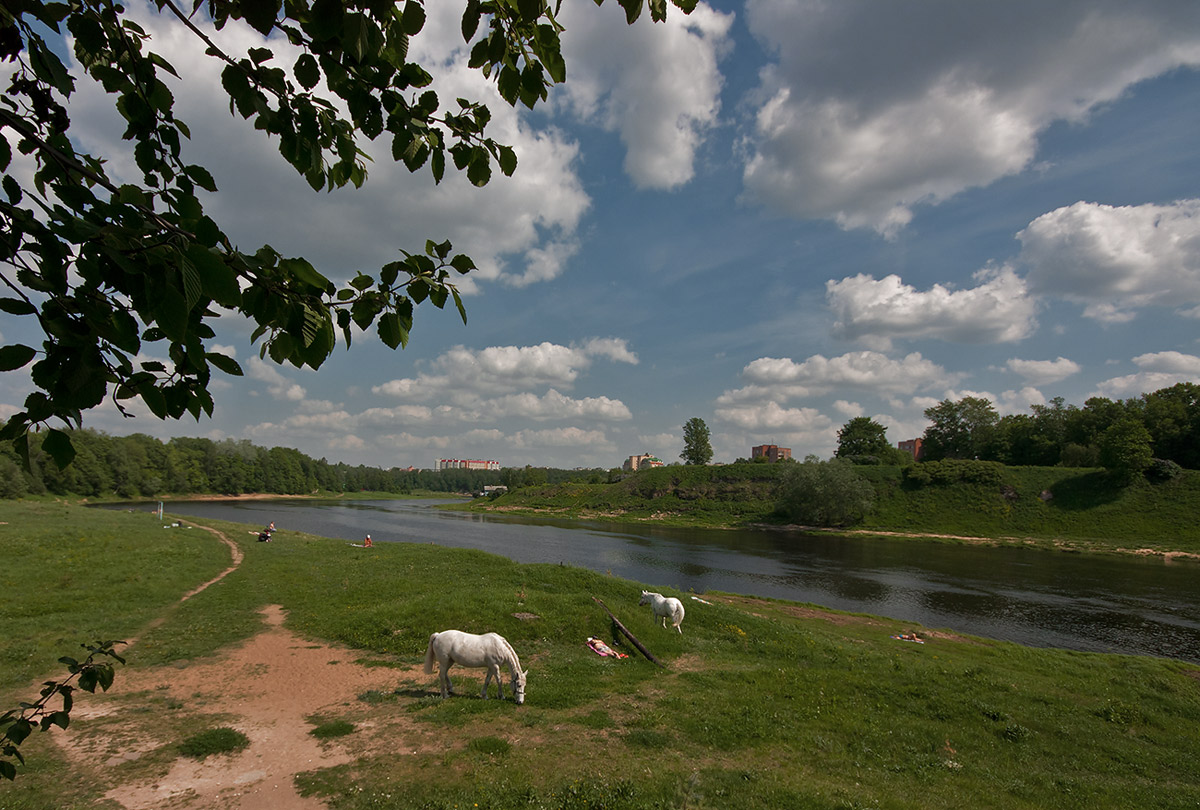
774	215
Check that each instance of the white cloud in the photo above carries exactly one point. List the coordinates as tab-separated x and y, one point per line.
1116	259
1169	362
783	378
1043	372
1143	382
278	385
656	84
872	109
562	437
1019	401
877	312
771	416
466	373
849	409
554	405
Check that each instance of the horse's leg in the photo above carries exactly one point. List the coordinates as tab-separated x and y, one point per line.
444	669
493	671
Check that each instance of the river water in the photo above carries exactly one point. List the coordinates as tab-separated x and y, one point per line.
1119	604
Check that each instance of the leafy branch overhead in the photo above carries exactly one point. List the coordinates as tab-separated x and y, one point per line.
17	724
110	267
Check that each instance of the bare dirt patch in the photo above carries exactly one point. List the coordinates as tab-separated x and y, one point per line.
266	688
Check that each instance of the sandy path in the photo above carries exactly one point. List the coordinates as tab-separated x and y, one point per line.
270	684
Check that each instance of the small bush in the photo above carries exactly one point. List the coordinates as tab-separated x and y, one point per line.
953	471
1162	469
213	741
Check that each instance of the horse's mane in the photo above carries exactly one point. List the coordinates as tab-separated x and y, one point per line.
516	662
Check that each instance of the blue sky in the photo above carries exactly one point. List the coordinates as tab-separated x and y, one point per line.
774	216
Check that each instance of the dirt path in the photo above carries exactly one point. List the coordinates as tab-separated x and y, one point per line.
266	688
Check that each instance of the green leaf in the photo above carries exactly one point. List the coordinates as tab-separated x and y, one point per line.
261	14
507	159
413	19
17	306
305	273
15	356
391	331
509	84
307	72
193	289
201	177
224	363
58	446
437	164
260	55
633	9
529	10
479	170
458	303
470	19
217	279
170	312
462	263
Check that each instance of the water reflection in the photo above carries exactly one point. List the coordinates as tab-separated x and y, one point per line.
1112	604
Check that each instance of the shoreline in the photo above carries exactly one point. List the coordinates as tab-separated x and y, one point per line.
1038	543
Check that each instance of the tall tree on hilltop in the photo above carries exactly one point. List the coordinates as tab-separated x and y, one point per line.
697	449
862	436
962	429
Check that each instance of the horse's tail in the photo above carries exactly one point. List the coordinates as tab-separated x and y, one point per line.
429	656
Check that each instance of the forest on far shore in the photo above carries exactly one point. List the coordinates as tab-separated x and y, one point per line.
141	466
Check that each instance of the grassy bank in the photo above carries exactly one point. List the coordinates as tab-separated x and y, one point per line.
1085	508
762	704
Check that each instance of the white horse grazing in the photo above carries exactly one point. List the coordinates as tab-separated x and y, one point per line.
666	607
452	647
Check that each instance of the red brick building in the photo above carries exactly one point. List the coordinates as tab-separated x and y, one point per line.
771	452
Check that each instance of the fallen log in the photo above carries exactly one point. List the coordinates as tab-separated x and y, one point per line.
625	632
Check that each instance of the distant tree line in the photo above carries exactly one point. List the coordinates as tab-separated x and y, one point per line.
139	466
1117	434
1155	433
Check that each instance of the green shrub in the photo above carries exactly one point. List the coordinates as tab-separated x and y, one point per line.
1162	469
955	471
824	493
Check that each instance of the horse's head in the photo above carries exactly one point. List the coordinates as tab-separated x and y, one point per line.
518	685
645	600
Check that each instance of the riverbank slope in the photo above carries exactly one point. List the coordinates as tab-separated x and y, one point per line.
1052	507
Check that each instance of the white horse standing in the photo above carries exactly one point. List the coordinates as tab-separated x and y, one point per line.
490	650
664	607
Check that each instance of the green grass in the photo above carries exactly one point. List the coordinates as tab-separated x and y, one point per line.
761	704
332	728
212	742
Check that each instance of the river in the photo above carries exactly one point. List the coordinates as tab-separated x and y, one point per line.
1098	603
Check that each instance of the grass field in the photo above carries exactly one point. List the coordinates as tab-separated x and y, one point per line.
762	704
